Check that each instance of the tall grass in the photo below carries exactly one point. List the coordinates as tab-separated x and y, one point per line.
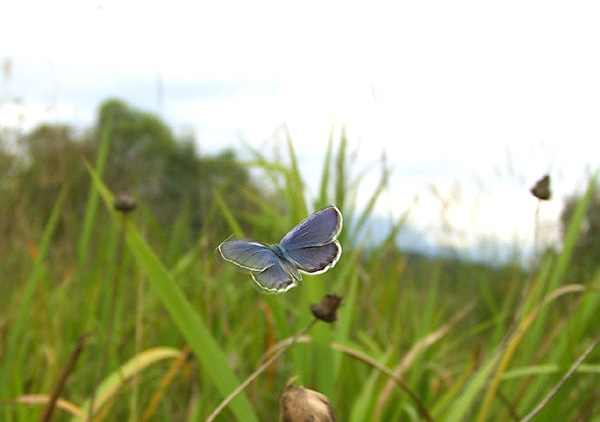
416	338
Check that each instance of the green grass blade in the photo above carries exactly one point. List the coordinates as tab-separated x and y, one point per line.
12	355
368	210
92	203
295	187
233	224
119	378
363	404
272	169
178	236
570	238
340	185
191	325
553	277
205	347
348	312
325	178
465	401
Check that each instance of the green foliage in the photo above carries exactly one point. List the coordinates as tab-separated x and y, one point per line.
142	158
189	322
15	351
587	251
167	174
463	341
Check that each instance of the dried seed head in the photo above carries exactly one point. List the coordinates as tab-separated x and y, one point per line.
298	404
124	202
326	309
541	189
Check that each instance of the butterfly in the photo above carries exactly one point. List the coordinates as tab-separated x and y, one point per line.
311	247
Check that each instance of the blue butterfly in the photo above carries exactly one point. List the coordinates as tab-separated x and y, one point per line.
311	247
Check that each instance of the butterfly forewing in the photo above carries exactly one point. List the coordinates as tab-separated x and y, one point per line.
318	229
249	255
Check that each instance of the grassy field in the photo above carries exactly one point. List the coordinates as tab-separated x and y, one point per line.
146	327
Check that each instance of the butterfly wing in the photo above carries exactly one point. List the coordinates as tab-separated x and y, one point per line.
318	229
266	269
315	259
274	278
249	255
312	245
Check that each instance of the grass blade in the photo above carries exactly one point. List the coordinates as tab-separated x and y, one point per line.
15	344
325	178
340	186
191	325
570	239
92	203
115	381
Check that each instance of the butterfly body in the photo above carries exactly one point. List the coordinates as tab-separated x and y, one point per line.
310	247
276	249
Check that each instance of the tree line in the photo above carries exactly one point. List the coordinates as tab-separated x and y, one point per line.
145	159
165	173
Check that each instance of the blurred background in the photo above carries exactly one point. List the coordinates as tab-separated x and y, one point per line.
470	103
426	123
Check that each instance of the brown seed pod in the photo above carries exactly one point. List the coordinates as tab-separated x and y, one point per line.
299	404
124	202
541	189
326	309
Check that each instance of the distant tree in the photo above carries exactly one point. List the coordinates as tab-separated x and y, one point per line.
586	258
8	169
53	157
167	173
145	159
33	171
140	147
193	180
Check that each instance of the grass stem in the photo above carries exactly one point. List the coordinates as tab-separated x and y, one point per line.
111	316
256	373
47	415
564	379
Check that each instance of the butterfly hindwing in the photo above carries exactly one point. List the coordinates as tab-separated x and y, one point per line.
266	268
315	259
274	278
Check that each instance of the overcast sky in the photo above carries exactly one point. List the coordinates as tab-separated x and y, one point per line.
485	96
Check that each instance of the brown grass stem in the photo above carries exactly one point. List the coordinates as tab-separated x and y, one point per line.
256	373
560	383
165	382
139	327
51	405
418	348
375	364
516	317
510	408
